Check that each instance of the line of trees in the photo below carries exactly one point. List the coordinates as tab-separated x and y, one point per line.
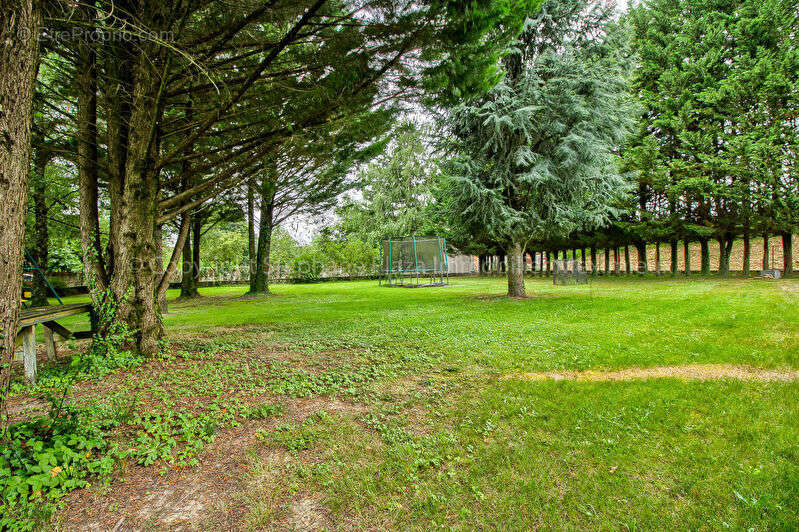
717	145
712	159
163	107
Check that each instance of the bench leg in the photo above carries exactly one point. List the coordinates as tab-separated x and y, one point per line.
29	352
49	342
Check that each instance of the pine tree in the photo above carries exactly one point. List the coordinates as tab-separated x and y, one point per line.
19	23
536	158
718	81
395	190
763	88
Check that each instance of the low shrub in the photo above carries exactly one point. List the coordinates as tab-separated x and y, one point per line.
45	458
307	268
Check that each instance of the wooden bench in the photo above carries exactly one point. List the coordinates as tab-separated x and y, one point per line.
29	318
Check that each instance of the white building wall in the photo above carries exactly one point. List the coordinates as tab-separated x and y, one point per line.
461	264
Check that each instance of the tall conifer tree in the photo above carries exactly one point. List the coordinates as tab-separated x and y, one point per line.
535	158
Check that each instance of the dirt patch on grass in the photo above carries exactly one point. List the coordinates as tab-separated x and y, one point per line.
312	360
213	495
700	372
223	373
307	513
792	289
299	410
26	408
179	499
254	334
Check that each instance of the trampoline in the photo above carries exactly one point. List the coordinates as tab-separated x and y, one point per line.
414	261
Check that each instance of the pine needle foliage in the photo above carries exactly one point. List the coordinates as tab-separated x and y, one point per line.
537	156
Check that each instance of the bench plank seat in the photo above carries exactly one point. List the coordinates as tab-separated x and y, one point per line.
30	317
34	316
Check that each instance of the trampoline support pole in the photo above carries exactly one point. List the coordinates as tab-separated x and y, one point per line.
415	262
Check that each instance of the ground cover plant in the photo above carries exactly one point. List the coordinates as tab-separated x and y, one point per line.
149	143
348	405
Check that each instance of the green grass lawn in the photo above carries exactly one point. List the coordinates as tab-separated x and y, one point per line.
406	408
609	323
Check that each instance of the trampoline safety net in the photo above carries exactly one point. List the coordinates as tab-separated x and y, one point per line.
568	272
414	261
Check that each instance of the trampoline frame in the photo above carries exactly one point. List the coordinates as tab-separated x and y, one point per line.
416	276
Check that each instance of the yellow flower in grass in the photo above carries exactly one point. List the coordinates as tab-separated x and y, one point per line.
55	471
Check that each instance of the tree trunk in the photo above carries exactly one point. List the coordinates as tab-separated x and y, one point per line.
160	271
177	252
262	256
724	254
607	261
18	61
686	246
593	260
787	253
120	65
251	251
189	269
675	263
728	252
766	252
516	271
41	241
188	288
265	228
94	268
747	267
196	237
549	263
158	236
658	262
627	260
643	262
616	262
133	284
704	250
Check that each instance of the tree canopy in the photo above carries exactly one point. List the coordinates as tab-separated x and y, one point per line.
394	190
536	157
